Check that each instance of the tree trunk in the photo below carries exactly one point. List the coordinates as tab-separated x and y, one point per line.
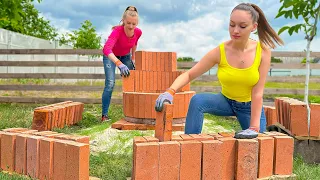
306	89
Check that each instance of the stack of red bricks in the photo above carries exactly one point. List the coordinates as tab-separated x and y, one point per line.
45	154
292	114
154	73
57	115
212	156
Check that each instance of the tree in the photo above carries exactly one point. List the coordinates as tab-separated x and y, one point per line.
185	59
84	38
21	16
309	11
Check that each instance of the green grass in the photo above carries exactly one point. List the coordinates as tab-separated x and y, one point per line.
113	159
305	171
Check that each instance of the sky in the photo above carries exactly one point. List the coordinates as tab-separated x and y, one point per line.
188	27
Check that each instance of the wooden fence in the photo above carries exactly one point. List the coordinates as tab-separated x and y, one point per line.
72	64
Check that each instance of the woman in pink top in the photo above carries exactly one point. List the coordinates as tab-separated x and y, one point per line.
119	51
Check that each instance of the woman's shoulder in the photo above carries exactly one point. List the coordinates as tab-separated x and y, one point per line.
118	28
138	30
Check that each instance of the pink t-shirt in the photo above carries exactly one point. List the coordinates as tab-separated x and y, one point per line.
118	43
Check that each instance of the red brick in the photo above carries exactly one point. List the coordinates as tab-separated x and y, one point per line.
137	81
46	158
128	82
59	159
136	105
33	153
266	151
147	161
229	156
163	130
207	137
162	62
247	159
159	82
15	130
197	137
226	134
76	138
136	139
151	79
148	105
299	123
21	153
155	81
77	161
283	161
190	153
125	103
154	61
315	120
29	132
8	145
176	138
186	137
212	161
144	81
42	119
141	106
169	160
159	62
153	103
141	81
151	139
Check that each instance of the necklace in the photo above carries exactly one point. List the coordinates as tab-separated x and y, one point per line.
240	57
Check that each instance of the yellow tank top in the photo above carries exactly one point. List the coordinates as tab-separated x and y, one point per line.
237	83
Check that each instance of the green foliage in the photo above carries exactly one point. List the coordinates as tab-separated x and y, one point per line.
276	60
304	60
21	16
185	59
84	38
307	10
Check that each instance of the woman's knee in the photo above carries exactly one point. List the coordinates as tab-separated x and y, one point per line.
109	84
196	101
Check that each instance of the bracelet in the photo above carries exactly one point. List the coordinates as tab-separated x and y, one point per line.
118	63
171	91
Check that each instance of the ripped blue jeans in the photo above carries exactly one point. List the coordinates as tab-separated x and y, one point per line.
219	105
109	70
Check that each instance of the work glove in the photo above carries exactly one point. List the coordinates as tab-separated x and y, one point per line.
164	97
246	134
124	70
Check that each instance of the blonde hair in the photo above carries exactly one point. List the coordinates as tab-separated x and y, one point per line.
130	11
266	34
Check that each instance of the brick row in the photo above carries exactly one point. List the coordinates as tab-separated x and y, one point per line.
212	156
141	105
156	61
271	115
151	81
292	114
33	153
57	115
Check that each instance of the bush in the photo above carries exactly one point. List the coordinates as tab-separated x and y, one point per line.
276	60
185	59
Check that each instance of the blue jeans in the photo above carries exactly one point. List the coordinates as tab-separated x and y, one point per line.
219	105
109	71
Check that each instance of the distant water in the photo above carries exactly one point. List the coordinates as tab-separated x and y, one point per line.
280	72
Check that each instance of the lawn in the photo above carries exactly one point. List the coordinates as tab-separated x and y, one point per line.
111	150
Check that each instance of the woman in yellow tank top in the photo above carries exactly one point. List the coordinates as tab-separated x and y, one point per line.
243	65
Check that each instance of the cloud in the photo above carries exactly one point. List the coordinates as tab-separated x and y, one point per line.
190	28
